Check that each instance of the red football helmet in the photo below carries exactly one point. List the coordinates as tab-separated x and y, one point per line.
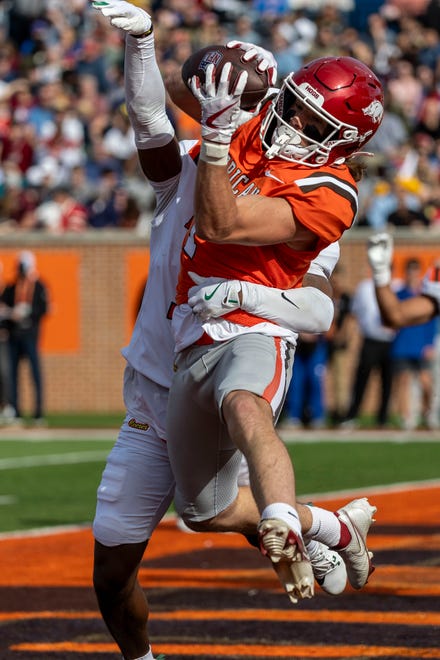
342	92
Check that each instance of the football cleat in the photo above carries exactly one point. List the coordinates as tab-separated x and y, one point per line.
289	557
358	516
328	568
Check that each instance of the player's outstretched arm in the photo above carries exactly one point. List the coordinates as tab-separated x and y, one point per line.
144	90
395	312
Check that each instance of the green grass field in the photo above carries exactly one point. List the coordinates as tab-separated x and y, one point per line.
53	482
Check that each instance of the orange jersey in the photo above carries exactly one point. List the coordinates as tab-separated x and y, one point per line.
322	199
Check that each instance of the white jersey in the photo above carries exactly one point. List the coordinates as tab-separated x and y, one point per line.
151	348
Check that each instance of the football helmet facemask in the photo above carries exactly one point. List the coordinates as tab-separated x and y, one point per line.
342	92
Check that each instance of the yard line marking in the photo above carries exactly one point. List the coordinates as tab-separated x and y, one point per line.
322	616
68	458
372	490
244	650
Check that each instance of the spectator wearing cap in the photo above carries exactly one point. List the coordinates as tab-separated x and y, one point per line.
27	300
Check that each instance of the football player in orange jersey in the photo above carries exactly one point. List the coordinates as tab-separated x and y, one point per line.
270	194
411	311
137	483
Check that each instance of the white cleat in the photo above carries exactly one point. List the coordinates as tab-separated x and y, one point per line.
289	558
358	516
328	568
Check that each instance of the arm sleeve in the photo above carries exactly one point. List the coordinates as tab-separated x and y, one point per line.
145	94
305	309
324	263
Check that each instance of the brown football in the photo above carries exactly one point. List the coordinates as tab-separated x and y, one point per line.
257	83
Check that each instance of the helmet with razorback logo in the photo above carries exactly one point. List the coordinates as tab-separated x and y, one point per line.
344	95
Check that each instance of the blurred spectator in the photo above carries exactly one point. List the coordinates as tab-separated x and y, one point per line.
61	213
406	91
118	141
106	206
380	200
283	50
6	410
27	300
243	30
413	353
81	187
338	340
18	145
409	211
305	400
374	356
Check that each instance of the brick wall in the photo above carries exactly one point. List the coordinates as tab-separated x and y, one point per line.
89	377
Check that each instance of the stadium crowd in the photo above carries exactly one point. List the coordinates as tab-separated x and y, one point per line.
68	161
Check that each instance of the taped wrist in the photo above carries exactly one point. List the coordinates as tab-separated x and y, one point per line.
382	276
214	153
145	93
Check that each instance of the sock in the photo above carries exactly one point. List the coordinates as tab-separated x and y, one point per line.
327	528
147	656
284	512
312	547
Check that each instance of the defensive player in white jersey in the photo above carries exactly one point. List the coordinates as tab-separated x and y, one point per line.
137	484
395	312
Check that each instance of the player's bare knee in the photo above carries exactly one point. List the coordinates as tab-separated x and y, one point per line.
240	404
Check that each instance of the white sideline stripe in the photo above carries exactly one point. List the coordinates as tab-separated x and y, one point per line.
291	437
69	458
53	435
377	490
44	531
373	490
288	435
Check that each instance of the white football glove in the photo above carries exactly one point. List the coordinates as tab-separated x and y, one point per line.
265	59
220	106
213	297
380	254
431	284
124	15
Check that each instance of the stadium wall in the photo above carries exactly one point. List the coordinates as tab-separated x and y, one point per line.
95	280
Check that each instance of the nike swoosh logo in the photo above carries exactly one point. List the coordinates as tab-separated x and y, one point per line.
269	174
208	296
210	121
283	295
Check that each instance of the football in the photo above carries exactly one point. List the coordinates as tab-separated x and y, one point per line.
257	83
